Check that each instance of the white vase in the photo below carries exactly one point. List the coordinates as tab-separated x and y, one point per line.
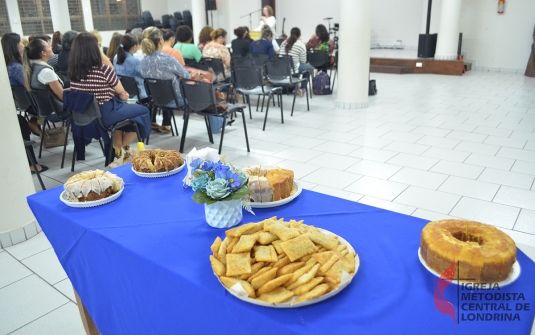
223	214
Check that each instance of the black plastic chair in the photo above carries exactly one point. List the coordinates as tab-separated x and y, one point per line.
216	65
249	81
51	109
66	79
190	61
200	65
279	73
23	99
320	60
241	61
28	145
290	60
259	59
130	86
199	98
92	113
161	94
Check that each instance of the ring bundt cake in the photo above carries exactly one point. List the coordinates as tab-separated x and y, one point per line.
158	160
269	183
92	185
484	253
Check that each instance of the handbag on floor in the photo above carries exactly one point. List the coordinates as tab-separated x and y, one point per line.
54	137
372	90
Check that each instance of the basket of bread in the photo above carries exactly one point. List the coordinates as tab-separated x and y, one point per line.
283	264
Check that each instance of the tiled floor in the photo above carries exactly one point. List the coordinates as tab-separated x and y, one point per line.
429	146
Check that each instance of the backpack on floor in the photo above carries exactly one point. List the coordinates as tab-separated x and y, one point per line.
322	84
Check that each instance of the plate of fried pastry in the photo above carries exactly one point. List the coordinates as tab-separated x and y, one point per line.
271	186
283	264
91	188
157	163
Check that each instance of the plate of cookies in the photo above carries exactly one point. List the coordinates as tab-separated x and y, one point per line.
91	189
283	264
157	163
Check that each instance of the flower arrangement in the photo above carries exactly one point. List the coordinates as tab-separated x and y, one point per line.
216	181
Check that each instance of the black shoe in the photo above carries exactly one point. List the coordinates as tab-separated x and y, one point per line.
43	169
229	123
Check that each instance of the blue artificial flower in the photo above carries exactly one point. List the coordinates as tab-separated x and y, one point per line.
196	163
234	180
208	166
221	170
200	182
217	189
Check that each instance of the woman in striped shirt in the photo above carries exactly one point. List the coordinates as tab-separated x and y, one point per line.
295	48
89	75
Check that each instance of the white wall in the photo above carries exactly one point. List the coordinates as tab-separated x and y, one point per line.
397	20
156	7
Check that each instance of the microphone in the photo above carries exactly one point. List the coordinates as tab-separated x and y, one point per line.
328	18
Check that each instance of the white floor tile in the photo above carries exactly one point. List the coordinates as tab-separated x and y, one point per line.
466	136
256	160
523	167
418	177
388	205
336	148
373	154
438	142
480	148
431	200
431	216
408	148
31	247
514	179
486	212
331	178
493	131
377	188
260	147
530	146
402	136
298	154
374	169
526	222
417	162
65	287
469	188
337	136
11	269
458	169
523	135
516	197
458	126
484	123
304	142
446	154
300	169
26	300
338	193
431	131
64	320
523	155
47	266
522	240
306	185
333	161
490	161
371	142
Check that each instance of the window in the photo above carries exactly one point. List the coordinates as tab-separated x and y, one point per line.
4	19
76	14
115	15
35	17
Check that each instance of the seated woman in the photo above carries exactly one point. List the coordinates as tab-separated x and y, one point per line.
184	36
114	44
13	47
63	56
295	48
156	65
129	66
217	49
38	74
204	36
240	45
320	41
89	75
167	48
264	45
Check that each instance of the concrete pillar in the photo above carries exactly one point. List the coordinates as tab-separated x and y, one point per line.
198	18
17	222
59	11
448	30
14	16
88	15
354	54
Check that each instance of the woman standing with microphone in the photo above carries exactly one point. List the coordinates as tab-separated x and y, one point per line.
268	19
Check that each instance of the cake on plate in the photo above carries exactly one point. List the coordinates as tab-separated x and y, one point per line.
92	185
483	253
269	183
157	160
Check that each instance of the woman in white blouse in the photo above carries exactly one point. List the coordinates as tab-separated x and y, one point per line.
268	19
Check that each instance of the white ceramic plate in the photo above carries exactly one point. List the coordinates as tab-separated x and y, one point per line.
160	174
87	204
513	276
346	279
296	190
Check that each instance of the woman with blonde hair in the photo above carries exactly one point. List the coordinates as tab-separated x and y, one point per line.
105	59
157	65
217	49
204	37
268	19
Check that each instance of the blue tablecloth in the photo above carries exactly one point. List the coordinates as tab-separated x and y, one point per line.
140	265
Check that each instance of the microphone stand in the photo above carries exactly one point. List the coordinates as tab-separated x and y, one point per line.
250	18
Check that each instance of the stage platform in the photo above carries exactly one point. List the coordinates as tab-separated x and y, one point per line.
402	61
